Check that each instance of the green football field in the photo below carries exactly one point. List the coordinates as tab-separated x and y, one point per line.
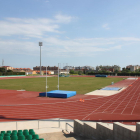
80	84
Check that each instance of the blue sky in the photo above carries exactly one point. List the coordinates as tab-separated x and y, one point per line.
77	32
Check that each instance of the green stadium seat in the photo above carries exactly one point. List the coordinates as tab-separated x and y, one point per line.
31	130
14	131
21	137
36	136
29	137
3	132
32	133
20	131
1	138
25	132
6	134
13	134
6	137
14	137
19	134
9	132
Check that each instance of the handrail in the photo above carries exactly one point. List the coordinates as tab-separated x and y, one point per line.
66	126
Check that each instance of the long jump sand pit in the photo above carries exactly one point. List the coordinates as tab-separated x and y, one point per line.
122	85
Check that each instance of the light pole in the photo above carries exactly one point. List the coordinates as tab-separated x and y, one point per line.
40	44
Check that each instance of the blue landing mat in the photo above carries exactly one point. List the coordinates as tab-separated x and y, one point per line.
59	94
98	75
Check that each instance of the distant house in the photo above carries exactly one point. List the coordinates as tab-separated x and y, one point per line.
108	68
7	67
26	70
133	67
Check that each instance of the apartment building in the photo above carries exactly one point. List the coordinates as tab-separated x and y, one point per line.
108	68
133	67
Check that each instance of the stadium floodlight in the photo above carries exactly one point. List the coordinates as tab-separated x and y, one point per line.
40	44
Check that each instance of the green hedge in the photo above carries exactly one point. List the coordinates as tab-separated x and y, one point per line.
129	74
11	73
92	73
119	74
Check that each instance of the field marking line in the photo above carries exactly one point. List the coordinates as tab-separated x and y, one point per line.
117	99
115	113
131	99
124	98
128	103
135	104
103	104
51	103
98	107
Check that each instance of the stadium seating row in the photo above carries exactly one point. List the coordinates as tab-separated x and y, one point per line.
19	135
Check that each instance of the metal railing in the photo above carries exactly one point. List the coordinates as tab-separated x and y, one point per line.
66	128
36	124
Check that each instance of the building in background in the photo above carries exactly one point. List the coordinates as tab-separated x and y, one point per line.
26	70
69	67
7	67
78	68
108	68
43	68
133	68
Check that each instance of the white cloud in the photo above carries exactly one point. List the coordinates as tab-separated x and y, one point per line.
63	19
32	27
106	26
54	47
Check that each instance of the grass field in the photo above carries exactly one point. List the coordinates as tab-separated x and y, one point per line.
80	84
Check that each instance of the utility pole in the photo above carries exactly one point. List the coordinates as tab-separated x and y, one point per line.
2	62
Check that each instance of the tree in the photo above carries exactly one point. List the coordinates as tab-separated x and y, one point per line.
138	70
116	71
126	70
80	72
9	71
71	71
2	69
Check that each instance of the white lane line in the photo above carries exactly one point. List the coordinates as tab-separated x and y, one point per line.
122	100
135	104
101	106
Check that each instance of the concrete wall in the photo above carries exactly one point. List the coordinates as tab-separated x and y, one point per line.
78	127
107	131
104	132
123	132
138	130
90	130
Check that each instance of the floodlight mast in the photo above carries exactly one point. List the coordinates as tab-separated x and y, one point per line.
40	44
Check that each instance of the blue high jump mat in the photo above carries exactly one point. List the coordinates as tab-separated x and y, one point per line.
59	94
111	88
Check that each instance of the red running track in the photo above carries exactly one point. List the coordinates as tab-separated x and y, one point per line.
124	106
